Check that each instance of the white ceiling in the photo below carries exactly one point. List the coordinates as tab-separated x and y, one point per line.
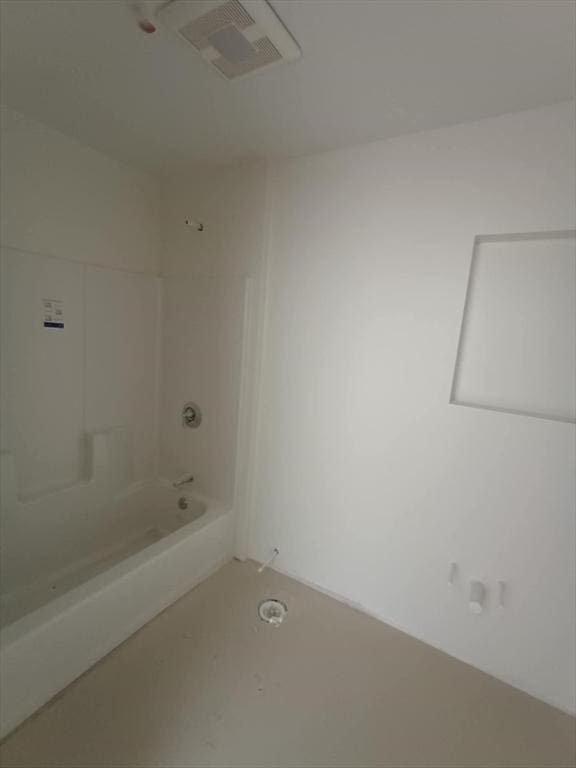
370	69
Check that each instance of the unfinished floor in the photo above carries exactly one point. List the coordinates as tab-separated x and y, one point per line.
207	684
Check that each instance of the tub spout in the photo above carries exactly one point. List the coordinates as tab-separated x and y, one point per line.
183	480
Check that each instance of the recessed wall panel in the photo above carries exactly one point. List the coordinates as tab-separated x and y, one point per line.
517	350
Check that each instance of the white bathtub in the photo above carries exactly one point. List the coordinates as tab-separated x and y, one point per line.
60	621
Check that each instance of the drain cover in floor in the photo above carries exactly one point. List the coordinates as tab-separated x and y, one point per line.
272	611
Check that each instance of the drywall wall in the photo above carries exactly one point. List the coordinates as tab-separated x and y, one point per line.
211	285
64	210
368	480
61	198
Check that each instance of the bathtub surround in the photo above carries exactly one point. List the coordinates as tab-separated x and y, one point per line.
82	229
91	548
201	363
42	400
80	412
211	321
97	372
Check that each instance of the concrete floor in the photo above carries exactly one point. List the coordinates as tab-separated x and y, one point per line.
207	684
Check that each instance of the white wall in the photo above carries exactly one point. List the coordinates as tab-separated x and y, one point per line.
202	352
83	229
61	198
206	300
369	481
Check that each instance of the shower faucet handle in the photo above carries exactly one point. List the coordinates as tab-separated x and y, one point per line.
191	415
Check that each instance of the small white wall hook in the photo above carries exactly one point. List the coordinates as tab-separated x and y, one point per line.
477	596
275	553
452	573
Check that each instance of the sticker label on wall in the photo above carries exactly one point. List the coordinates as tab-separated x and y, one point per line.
53	313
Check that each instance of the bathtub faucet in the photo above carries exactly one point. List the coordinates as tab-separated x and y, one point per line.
187	478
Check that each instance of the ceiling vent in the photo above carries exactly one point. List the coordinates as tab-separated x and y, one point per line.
236	37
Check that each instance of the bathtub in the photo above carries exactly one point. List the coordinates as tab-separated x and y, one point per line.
151	545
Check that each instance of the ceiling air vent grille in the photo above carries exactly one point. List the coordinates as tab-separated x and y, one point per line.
265	53
231	14
236	37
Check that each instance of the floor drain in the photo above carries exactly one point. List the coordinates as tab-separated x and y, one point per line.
272	611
